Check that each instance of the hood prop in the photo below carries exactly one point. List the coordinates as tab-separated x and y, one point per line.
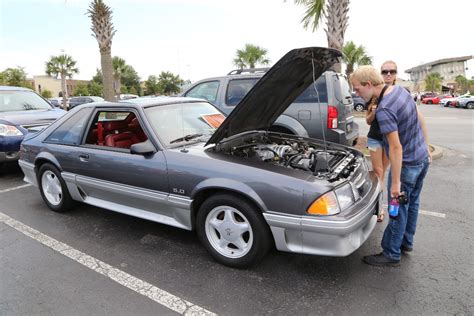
321	164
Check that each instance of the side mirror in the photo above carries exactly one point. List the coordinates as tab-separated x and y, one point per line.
145	148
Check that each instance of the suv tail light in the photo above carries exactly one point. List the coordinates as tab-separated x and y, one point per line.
332	117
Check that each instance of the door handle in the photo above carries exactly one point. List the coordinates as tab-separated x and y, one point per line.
84	157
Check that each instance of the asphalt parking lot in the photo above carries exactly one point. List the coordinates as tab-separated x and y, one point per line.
93	261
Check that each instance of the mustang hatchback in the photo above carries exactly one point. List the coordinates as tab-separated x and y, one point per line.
242	188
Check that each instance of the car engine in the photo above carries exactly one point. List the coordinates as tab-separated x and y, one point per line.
325	163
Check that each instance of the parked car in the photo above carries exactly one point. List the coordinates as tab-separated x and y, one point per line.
359	104
21	110
428	95
127	96
466	101
242	188
445	100
324	112
431	100
75	101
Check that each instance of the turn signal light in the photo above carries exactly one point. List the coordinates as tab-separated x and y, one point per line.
325	205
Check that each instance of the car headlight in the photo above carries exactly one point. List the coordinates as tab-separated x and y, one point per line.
9	130
333	202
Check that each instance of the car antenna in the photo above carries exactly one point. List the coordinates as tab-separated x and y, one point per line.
184	150
320	115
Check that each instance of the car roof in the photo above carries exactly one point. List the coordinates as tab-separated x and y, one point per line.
10	88
145	102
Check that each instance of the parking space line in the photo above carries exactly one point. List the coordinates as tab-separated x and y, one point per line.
430	213
144	288
15	188
436	214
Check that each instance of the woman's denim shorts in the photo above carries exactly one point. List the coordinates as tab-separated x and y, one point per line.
374	144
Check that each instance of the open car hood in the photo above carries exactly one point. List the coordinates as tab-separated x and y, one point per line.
276	90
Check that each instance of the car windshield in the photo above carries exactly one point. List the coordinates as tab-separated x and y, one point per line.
175	123
21	101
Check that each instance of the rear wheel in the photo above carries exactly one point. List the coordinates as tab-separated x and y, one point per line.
430	102
470	105
233	231
53	188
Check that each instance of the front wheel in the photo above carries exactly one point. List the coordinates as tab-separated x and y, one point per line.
53	188
359	107
233	231
470	105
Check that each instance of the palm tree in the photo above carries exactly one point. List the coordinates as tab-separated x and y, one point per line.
250	56
101	17
119	68
354	55
336	14
64	67
433	82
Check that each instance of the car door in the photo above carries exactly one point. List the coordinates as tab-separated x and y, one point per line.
116	179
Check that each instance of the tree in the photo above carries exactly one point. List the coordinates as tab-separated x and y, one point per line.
132	90
354	55
336	14
250	56
97	77
119	67
462	83
169	83
14	77
151	85
94	88
64	67
130	79
46	94
81	90
433	82
103	29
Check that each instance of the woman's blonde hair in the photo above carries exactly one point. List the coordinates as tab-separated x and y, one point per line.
365	74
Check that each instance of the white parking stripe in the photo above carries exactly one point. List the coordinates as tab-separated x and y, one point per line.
154	293
436	214
15	188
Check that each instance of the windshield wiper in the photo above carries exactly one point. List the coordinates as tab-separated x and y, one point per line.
185	138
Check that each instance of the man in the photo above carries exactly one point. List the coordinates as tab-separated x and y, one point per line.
409	159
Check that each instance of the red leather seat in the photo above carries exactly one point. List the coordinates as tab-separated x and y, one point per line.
134	126
121	140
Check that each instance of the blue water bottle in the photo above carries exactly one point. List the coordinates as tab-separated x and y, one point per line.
393	208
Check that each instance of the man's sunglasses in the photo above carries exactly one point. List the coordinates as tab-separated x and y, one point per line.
389	71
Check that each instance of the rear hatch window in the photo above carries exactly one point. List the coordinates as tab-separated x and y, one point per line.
344	102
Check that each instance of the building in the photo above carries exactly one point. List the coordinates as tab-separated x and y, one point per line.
448	68
41	83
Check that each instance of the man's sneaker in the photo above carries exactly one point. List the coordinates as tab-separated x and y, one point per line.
404	248
381	260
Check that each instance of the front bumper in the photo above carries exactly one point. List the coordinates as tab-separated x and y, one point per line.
336	236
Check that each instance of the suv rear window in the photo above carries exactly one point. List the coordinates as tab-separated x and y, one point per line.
310	96
342	89
237	89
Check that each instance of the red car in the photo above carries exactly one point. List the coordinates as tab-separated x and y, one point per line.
431	100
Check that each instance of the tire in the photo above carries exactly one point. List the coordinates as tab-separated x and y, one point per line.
359	107
53	189
447	104
470	105
430	102
233	231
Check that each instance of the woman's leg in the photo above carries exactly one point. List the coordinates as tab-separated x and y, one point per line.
379	164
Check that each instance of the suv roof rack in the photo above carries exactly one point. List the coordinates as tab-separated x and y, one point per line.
248	70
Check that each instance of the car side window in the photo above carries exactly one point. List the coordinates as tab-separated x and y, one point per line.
206	90
311	96
115	129
70	132
237	89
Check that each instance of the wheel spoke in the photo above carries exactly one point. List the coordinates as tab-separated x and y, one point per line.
241	244
242	228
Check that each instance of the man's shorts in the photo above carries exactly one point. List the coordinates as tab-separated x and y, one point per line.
374	144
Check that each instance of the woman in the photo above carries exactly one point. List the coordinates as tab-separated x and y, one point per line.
378	157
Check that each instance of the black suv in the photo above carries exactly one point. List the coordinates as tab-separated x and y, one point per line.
304	117
75	101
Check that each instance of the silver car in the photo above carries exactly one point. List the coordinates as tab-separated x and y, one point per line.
180	162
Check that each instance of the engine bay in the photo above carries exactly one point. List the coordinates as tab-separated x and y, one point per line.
330	163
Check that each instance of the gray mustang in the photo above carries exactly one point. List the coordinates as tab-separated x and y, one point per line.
243	189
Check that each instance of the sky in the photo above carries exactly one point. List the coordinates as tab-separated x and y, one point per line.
199	38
